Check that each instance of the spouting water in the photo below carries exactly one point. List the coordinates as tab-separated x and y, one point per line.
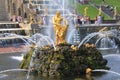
87	38
41	40
12	70
2	76
19	58
108	71
102	40
30	66
112	55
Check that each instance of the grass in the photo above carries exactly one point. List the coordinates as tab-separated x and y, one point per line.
112	3
92	11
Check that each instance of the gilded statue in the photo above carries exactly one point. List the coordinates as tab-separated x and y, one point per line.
85	11
100	11
60	30
115	11
32	20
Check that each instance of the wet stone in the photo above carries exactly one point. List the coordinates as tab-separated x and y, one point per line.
65	61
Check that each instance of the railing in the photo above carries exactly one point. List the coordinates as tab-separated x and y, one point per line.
15	37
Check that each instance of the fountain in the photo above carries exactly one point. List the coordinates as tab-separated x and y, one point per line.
49	60
64	59
102	40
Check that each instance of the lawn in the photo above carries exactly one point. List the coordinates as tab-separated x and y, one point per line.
112	3
92	11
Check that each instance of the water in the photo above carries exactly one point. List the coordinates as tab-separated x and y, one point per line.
11	69
107	71
19	58
9	63
102	40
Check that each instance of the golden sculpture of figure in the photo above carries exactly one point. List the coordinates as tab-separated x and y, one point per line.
103	29
100	11
85	11
60	30
32	18
115	11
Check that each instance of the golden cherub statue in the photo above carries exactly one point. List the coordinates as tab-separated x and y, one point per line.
60	30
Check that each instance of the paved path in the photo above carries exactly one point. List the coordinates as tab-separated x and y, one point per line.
13	49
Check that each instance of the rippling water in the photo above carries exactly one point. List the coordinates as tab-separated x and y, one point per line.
12	60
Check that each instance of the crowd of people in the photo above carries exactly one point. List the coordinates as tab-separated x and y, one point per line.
16	18
86	20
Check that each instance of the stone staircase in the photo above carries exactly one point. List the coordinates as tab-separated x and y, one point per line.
109	11
106	10
3	11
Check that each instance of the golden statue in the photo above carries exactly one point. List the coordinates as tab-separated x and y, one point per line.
85	11
115	11
60	30
32	20
103	29
100	11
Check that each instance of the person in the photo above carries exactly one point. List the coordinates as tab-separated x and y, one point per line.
59	29
96	20
83	20
19	18
87	20
99	19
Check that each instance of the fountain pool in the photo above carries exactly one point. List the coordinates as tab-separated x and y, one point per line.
9	69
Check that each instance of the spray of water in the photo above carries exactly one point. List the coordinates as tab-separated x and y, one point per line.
103	40
3	75
112	55
10	70
108	71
